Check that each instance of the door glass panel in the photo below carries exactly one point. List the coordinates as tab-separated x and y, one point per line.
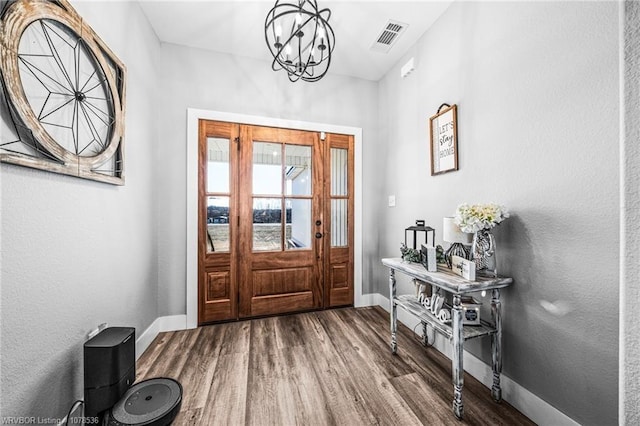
338	171
297	170
298	224
339	223
267	168
217	224
267	224
217	165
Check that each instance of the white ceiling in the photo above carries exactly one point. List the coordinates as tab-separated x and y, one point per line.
237	27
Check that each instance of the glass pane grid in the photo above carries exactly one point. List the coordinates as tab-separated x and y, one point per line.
339	172
339	225
218	230
282	196
267	169
218	170
297	170
267	224
298	224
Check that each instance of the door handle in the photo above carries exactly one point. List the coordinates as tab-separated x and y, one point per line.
318	235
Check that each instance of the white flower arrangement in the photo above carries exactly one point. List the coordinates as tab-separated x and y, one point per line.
475	217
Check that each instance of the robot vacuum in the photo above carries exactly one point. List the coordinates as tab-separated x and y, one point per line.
154	402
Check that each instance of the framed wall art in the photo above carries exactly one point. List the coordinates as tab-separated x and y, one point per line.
63	93
444	140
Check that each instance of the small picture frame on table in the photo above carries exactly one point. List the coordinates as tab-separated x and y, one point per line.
444	140
428	258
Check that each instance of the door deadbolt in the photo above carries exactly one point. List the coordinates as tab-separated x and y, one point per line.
318	222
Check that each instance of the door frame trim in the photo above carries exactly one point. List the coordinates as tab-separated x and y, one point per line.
193	116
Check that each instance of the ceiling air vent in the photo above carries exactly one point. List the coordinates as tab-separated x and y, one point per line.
388	36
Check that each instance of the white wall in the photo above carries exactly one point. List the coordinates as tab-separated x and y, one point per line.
536	85
629	372
194	78
77	253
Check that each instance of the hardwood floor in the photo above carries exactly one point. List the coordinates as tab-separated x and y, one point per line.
317	368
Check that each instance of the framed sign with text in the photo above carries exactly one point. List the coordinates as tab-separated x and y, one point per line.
444	140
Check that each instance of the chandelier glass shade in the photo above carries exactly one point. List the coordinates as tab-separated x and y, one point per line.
300	39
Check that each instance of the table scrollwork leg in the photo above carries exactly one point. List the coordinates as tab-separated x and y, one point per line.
457	367
394	310
496	345
458	407
425	338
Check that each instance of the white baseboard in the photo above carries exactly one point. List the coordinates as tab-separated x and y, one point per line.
366	300
526	402
161	324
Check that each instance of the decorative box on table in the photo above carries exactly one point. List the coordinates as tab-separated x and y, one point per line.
470	310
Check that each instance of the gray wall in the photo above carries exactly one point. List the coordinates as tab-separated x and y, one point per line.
193	78
537	91
629	372
77	253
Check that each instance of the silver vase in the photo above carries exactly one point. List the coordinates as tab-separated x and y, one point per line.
483	252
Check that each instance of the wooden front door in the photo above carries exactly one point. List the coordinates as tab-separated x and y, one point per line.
338	211
276	221
280	218
217	221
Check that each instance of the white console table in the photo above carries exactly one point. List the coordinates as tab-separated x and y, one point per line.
447	281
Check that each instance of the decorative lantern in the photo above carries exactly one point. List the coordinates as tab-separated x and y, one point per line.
418	228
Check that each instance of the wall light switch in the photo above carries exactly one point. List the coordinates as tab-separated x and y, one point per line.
392	200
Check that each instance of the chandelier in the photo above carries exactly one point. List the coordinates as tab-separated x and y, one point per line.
300	39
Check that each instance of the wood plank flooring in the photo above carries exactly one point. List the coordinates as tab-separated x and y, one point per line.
331	367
